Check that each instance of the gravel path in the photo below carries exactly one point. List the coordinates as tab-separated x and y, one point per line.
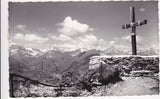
130	86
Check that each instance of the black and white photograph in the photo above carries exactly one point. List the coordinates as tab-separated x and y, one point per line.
82	49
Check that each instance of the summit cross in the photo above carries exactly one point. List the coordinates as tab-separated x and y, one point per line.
133	24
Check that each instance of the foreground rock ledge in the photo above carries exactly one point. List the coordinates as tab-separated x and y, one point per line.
107	69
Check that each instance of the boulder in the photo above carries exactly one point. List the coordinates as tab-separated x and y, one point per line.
103	75
108	74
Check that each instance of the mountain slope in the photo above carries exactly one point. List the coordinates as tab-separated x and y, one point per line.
43	66
53	63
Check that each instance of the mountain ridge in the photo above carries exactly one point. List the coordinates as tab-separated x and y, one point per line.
49	65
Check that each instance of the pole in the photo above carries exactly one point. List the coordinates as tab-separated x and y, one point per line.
133	35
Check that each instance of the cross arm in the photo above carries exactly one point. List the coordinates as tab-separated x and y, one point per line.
126	26
139	23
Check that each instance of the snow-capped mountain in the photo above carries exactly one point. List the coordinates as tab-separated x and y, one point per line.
34	62
115	51
50	49
15	49
52	60
143	52
77	52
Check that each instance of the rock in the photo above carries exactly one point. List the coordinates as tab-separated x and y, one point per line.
108	74
127	63
103	75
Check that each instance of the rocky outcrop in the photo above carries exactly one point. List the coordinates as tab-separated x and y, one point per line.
127	63
103	75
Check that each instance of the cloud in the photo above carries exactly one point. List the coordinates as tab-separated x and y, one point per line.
142	9
74	35
123	44
20	27
128	38
88	41
91	42
125	40
61	38
29	38
72	27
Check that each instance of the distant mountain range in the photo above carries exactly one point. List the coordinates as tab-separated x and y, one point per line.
38	64
43	65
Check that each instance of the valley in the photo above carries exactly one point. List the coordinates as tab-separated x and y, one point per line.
55	73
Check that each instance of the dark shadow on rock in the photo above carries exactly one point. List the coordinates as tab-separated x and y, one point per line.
103	75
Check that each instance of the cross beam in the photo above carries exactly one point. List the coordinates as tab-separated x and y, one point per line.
133	24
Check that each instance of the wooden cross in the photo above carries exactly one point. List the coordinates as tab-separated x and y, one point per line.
133	25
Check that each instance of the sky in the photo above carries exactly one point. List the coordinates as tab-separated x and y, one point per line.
90	25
